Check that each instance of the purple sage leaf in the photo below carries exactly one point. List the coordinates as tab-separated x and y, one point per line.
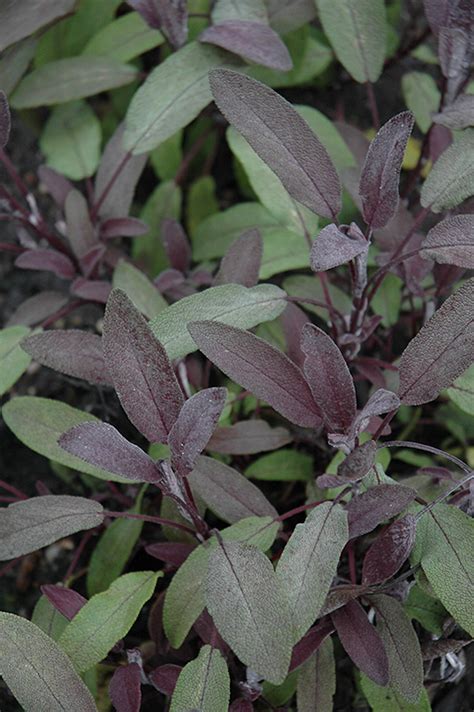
80	230
5	121
380	176
281	138
48	260
458	115
35	309
254	41
65	600
176	244
359	462
125	688
140	369
451	241
368	510
169	16
248	437
92	290
241	263
389	551
329	378
123	227
259	367
333	247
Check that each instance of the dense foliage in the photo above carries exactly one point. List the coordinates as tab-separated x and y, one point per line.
265	445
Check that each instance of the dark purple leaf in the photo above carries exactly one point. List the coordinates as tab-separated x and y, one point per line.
21	18
359	462
381	401
287	15
116	178
176	244
125	688
241	705
101	445
56	184
437	13
253	41
310	642
141	372
48	260
455	56
65	600
260	368
168	280
31	524
361	641
292	320
329	378
381	172
333	247
5	122
91	259
73	352
451	241
248	437
123	227
433	649
171	552
165	677
367	510
281	138
93	290
169	16
341	595
441	351
207	631
241	263
194	426
79	228
329	481
458	115
389	551
228	493
35	309
440	138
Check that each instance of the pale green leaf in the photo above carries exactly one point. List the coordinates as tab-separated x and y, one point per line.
426	610
164	202
248	606
445	549
283	250
172	96
48	618
279	695
451	179
317	680
309	563
358	33
71	78
284	465
421	96
384	699
71	140
124	38
113	550
329	136
229	304
405	663
201	202
387	299
203	684
37	671
39	422
139	289
13	360
253	10
106	618
462	391
166	158
184	600
310	287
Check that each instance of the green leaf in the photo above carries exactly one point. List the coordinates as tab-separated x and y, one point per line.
317	680
387	299
37	671
203	684
184	600
269	188
445	549
329	136
252	10
71	140
71	78
124	39
48	618
249	609
462	391
172	96
201	202
279	695
283	250
39	422
139	289
421	96
229	304
451	179
309	563
166	158
106	618
164	202
426	610
113	550
401	644
13	360
22	18
284	465
384	699
358	34
310	287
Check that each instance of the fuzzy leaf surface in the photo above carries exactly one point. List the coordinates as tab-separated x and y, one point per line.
203	684
367	510
451	242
